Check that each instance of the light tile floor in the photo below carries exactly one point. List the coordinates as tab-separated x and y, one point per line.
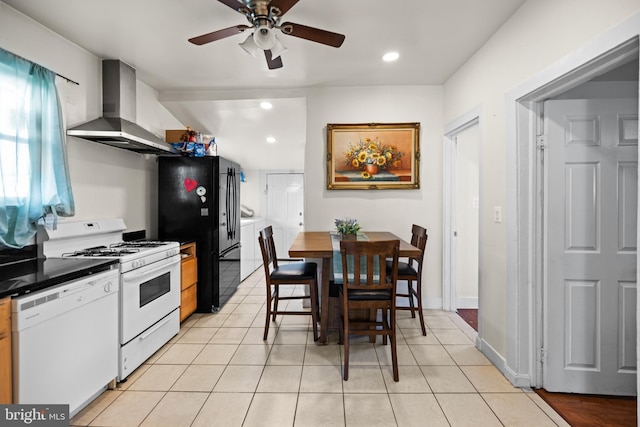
219	372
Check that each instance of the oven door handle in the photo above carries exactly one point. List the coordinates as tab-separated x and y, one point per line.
130	278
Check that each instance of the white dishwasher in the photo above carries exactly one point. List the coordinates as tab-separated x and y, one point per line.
65	341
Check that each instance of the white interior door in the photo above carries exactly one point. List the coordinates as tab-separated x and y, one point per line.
591	185
285	208
467	204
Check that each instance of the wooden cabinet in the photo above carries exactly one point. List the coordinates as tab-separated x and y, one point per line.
188	280
5	352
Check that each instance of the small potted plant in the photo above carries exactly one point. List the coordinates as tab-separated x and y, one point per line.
348	228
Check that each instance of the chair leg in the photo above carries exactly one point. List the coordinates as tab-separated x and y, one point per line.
266	323
394	357
420	312
411	304
394	351
341	328
345	372
276	296
373	315
383	313
314	308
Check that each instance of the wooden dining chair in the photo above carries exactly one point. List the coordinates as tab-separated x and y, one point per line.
367	286
411	271
293	272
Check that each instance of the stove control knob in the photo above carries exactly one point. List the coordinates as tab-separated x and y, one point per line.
107	287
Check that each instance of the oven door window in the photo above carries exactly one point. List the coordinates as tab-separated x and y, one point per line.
154	288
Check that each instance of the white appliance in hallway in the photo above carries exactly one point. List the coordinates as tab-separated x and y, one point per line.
65	341
149	284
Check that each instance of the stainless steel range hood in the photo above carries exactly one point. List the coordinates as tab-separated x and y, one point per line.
117	125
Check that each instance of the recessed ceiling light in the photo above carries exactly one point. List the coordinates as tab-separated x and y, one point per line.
266	105
390	56
271	139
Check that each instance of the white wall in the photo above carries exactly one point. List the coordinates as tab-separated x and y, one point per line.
392	210
107	182
251	192
540	33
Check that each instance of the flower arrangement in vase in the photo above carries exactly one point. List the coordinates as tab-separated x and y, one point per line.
371	155
347	227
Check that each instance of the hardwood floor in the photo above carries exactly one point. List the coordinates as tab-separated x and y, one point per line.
469	315
586	410
580	410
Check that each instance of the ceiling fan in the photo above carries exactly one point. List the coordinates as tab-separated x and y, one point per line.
264	16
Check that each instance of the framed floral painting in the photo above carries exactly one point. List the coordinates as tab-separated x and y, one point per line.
373	156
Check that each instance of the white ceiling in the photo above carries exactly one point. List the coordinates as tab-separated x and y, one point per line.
210	86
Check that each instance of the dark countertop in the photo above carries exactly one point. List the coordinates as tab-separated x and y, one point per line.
35	274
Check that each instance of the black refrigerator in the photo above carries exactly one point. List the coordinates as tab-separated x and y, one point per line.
199	200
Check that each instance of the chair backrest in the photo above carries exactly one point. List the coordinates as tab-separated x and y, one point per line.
268	249
419	238
367	274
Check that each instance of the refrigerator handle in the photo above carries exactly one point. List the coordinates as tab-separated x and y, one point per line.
230	202
228	205
236	202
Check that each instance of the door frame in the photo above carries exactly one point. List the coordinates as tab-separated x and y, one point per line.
523	364
464	122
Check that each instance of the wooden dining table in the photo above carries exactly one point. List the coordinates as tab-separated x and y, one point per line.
317	244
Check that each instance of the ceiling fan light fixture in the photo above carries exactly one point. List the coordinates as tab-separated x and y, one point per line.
250	46
264	37
277	49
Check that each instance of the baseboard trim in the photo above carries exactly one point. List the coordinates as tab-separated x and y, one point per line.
518	380
468	302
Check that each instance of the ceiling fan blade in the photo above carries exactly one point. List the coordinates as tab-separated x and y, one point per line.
233	4
313	34
273	63
282	5
217	35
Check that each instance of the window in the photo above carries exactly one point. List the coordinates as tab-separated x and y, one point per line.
13	140
34	177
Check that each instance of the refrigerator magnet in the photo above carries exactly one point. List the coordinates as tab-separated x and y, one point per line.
201	191
190	184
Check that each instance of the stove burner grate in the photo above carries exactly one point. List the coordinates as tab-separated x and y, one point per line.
139	244
101	251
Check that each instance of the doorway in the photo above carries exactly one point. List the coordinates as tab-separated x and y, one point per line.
527	262
590	162
285	208
462	216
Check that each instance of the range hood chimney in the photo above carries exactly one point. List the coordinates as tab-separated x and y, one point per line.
117	126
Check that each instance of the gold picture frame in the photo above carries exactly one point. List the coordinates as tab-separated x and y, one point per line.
373	156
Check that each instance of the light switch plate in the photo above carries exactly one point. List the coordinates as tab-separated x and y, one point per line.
497	214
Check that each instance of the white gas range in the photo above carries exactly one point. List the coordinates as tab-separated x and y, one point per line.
149	282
